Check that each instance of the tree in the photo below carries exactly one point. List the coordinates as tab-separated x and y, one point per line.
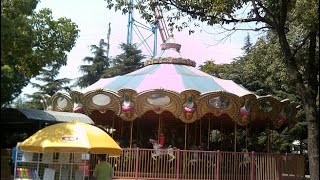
30	41
213	69
256	66
258	74
50	85
296	19
97	64
247	44
19	103
128	61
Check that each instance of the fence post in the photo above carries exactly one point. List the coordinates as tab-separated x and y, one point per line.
279	166
253	159
178	163
218	165
137	163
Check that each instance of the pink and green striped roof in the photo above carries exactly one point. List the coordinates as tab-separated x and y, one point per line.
169	76
169	71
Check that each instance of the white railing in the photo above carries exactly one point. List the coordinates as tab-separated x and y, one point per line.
190	164
187	164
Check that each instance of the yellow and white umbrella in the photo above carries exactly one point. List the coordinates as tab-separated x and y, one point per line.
74	137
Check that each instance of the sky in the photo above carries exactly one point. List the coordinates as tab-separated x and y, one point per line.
92	18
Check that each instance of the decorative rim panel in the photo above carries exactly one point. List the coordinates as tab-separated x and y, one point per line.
265	106
158	99
188	105
110	101
62	102
221	102
101	99
174	106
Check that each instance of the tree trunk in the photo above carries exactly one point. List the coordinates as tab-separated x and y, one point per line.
313	137
308	92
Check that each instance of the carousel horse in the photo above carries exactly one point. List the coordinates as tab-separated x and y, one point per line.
195	155
199	157
246	158
161	152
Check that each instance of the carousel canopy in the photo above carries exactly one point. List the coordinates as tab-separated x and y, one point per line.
173	84
172	77
171	72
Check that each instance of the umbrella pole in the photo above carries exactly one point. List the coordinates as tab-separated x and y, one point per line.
131	134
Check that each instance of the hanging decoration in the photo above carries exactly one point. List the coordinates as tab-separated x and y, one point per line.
189	108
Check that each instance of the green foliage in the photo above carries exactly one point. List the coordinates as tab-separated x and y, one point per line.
51	83
97	65
247	44
49	86
11	81
213	69
128	61
215	136
261	70
30	41
19	103
101	66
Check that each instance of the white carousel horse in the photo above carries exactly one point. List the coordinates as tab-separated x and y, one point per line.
161	152
199	155
246	158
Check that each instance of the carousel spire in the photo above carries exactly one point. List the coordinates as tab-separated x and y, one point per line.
170	44
170	54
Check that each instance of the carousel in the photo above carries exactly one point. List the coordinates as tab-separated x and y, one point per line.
196	113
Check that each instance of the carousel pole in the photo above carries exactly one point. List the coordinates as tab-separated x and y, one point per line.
131	129
195	133
268	134
200	140
246	136
112	125
121	128
222	135
271	140
138	131
159	126
208	140
185	135
235	137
